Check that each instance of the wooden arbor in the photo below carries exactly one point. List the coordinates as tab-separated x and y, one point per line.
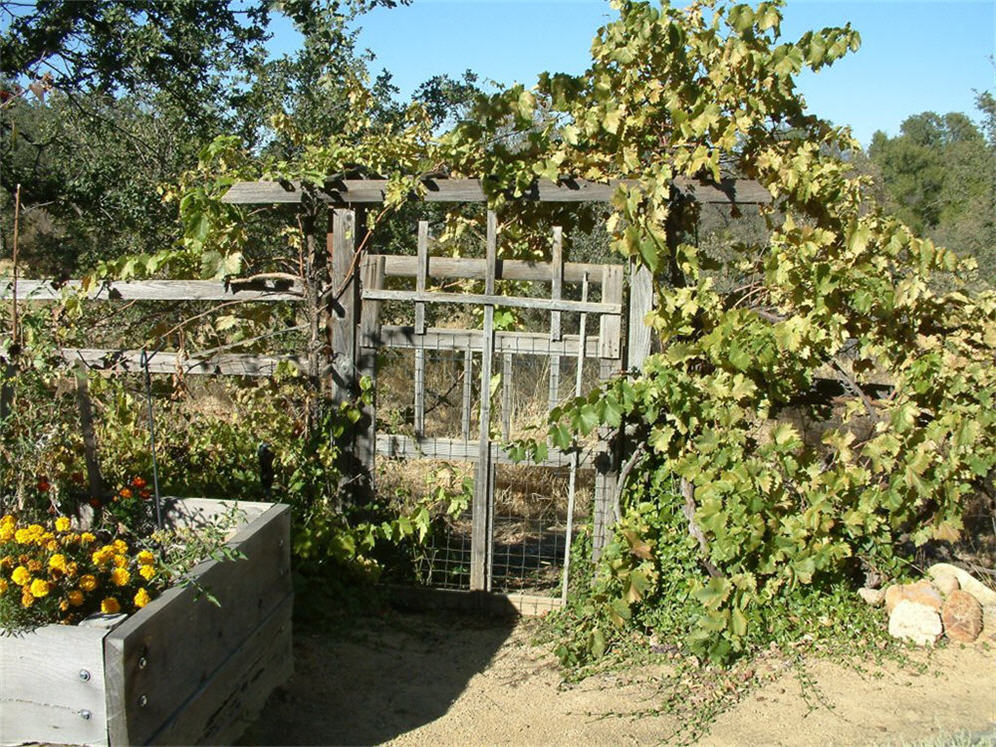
344	289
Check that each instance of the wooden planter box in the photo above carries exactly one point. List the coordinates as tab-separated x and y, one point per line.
179	671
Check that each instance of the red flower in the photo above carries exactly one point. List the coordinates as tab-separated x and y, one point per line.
43	485
138	483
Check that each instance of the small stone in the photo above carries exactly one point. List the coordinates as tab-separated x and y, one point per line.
962	617
947	584
921	592
915	622
985	596
872	597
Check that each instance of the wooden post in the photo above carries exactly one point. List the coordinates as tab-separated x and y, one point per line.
641	301
607	465
556	291
95	479
480	538
372	276
344	302
420	276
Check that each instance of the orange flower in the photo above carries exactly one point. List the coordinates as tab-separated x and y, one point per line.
138	483
75	597
125	493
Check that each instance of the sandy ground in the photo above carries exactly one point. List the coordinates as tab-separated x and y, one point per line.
432	679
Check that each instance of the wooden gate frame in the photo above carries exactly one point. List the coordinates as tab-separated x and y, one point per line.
606	347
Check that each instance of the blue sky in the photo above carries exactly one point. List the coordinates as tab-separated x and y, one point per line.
915	56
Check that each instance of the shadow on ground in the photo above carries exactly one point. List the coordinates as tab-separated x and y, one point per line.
377	678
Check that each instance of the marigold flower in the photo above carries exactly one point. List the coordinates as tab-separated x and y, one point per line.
57	563
39	588
120	546
102	556
34	565
120	561
145	558
146	571
62	524
20	576
110	605
120	576
26	598
63	605
6	563
8	527
142	598
75	597
22	536
125	493
51	545
72	568
3	585
87	538
71	539
138	483
88	582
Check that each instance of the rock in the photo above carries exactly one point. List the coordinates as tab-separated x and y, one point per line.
947	584
919	623
985	596
921	592
872	597
989	622
962	617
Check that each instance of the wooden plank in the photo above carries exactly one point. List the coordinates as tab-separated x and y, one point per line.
420	274
419	421
372	276
556	279
490	299
231	698
151	664
610	330
468	373
226	364
518	343
346	308
467	268
506	396
641	299
160	290
480	538
398	446
359	191
43	693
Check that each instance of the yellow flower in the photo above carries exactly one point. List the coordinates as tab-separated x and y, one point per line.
22	536
103	555
3	585
34	565
142	598
146	571
26	598
87	538
120	561
8	527
120	576
20	576
110	605
120	546
71	539
39	588
62	524
145	558
88	582
72	568
57	563
75	597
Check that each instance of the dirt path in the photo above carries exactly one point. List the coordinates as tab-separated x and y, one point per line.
412	679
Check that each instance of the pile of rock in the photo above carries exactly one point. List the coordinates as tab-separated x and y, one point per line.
950	601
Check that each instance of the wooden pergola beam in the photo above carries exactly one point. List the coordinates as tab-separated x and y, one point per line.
345	192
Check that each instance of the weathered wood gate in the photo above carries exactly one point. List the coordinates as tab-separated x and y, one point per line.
484	447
